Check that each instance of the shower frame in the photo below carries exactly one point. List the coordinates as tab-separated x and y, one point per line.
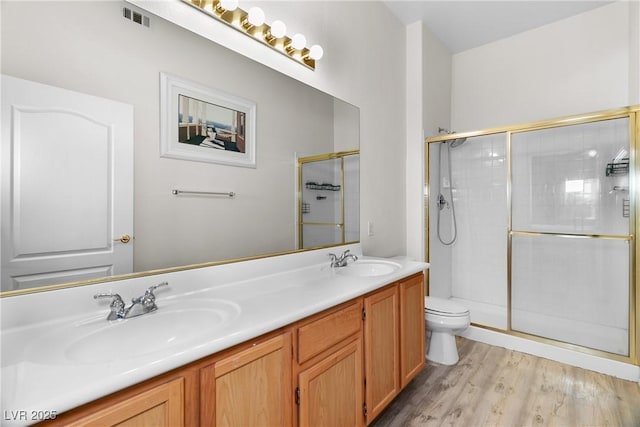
633	115
301	223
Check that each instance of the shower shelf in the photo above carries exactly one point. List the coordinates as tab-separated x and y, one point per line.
618	167
324	186
620	188
626	208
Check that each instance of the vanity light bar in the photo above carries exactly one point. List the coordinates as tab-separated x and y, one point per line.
252	24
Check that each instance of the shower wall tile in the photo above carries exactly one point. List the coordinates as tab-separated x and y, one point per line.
479	256
440	256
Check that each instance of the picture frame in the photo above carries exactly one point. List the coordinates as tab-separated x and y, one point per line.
204	124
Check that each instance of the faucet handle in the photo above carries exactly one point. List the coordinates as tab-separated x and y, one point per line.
117	305
149	297
152	288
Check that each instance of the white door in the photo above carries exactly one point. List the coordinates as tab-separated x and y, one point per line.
67	185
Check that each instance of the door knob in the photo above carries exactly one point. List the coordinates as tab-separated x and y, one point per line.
123	239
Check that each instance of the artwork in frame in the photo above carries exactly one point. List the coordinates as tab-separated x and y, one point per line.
206	125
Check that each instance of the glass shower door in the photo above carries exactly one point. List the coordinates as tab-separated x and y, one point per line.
570	234
329	204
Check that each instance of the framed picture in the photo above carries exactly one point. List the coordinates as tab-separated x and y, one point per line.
205	125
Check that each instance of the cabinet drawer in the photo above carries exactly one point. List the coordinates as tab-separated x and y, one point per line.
328	330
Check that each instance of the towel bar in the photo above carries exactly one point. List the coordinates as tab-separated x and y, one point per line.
229	194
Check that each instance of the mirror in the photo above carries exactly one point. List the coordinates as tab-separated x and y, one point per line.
170	231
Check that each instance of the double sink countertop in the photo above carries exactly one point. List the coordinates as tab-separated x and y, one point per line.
59	351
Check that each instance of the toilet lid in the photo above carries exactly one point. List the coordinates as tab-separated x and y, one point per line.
444	306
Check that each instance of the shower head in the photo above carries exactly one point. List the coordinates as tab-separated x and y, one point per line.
457	142
454	142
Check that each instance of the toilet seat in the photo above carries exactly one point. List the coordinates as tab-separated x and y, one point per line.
444	307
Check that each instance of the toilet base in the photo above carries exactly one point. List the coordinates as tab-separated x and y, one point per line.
442	348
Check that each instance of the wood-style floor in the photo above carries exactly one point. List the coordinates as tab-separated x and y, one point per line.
492	386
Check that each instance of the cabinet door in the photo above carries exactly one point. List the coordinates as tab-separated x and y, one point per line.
382	350
160	406
412	332
330	391
250	387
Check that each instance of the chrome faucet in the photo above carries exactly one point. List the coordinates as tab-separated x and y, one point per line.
141	305
117	306
343	259
145	303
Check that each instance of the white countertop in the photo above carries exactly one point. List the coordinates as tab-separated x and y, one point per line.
269	293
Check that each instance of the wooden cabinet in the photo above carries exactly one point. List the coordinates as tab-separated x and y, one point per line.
412	328
329	367
321	332
160	405
382	349
249	387
330	391
340	367
394	341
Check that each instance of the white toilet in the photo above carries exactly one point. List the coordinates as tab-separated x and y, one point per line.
445	319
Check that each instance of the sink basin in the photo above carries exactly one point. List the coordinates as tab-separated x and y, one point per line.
368	268
176	323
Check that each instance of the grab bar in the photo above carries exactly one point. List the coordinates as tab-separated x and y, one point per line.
229	194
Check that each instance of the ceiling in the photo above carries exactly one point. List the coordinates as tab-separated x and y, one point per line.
465	24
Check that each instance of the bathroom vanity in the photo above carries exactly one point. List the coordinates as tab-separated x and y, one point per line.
301	345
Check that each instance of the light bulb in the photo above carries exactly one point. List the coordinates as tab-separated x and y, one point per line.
298	41
229	4
278	29
256	16
316	52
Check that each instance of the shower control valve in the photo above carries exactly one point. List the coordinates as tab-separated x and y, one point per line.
442	202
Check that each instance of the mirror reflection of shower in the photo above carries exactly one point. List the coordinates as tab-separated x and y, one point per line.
444	183
328	195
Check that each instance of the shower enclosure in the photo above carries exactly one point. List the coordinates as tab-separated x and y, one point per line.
328	199
542	219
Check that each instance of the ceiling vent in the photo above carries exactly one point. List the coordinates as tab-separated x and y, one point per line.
136	17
